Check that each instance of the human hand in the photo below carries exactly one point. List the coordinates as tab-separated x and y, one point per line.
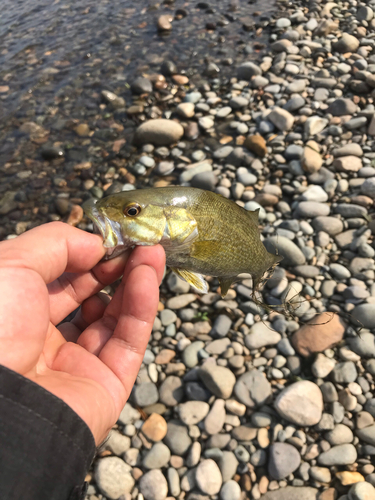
91	362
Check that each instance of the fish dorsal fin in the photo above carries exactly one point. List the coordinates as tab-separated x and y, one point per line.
194	279
254	215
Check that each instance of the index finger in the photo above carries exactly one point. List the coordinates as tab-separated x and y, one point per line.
52	249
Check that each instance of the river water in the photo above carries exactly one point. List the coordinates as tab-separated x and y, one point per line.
46	46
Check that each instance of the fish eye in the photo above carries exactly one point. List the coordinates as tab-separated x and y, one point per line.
132	210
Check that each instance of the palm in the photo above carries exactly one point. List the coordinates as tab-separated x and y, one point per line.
91	363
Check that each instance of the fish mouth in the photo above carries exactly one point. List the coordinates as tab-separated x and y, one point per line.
113	240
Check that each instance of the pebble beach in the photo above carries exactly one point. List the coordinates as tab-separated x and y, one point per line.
272	106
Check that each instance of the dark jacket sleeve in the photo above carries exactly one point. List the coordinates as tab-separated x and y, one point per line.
45	447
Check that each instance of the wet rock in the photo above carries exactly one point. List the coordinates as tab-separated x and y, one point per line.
159	132
141	85
113	100
165	22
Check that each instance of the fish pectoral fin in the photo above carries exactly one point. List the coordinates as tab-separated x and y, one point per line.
225	284
194	279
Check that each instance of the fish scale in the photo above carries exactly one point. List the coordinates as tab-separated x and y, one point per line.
202	232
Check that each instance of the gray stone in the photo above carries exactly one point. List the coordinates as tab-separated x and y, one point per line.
283	460
261	335
300	403
208	477
341	107
218	379
157	457
341	434
177	438
117	443
145	394
367	434
113	477
230	491
281	118
364	345
217	346
214	422
247	70
171	391
364	315
292	493
344	454
347	43
129	415
190	353
253	389
368	187
141	85
221	326
351	149
344	372
361	491
228	464
330	225
153	485
193	412
293	256
310	209
320	474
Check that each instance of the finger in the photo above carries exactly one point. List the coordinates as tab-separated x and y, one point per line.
69	290
91	310
69	331
52	249
97	335
124	351
153	256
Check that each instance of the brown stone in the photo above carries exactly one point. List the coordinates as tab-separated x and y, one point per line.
346	477
263	485
330	494
311	160
165	22
266	199
155	427
83	130
165	356
180	79
176	461
320	333
256	144
347	164
75	216
244	433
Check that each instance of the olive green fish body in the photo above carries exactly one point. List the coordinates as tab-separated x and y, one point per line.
202	233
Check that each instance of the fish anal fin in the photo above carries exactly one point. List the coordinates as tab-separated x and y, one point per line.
194	279
225	284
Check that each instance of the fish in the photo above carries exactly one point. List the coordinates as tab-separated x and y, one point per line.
202	233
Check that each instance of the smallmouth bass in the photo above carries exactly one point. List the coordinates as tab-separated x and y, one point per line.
202	233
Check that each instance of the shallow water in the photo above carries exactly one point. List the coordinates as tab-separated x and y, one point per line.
46	46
